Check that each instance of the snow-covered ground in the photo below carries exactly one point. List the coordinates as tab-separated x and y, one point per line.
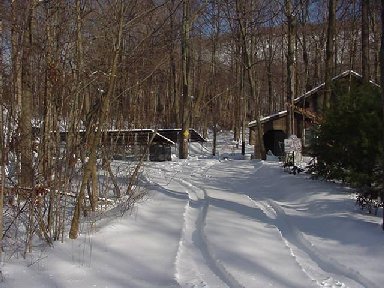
219	223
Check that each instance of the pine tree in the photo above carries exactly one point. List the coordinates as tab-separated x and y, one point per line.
349	144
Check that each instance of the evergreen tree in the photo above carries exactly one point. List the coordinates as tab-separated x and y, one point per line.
348	144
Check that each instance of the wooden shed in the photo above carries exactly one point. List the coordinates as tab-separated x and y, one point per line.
132	143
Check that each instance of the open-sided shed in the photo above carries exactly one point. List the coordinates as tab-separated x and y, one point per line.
130	143
133	143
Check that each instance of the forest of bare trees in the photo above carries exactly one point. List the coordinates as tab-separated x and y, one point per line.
71	65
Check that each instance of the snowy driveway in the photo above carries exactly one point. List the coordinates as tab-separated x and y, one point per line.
248	224
210	223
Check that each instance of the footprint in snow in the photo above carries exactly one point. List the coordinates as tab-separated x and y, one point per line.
329	283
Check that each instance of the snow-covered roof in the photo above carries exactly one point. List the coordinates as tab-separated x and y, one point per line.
173	133
341	75
169	141
267	118
307	94
142	133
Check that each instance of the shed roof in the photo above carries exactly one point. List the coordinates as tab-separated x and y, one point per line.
140	136
173	135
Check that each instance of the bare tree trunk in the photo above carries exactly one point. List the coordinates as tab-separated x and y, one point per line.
304	36
175	114
26	177
2	151
16	60
135	174
47	149
244	66
237	105
242	100
212	84
186	62
74	124
247	71
382	78
365	40
329	53
382	57
107	166
96	132
26	159
317	70
376	53
269	76
290	67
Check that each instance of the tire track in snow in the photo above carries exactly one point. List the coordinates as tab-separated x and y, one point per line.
194	247
318	267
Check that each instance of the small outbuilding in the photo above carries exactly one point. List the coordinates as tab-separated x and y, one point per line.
306	115
133	143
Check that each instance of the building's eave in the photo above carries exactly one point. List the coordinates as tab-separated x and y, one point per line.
267	118
165	138
307	94
341	75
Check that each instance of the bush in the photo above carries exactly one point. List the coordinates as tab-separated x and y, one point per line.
349	142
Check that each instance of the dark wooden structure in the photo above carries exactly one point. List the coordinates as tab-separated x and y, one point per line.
132	143
306	115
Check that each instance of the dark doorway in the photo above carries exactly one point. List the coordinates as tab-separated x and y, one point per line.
274	141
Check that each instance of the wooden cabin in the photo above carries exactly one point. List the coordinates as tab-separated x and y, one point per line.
306	115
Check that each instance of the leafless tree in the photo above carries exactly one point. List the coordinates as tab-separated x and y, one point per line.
2	149
365	39
329	57
291	23
382	76
78	66
186	80
96	126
